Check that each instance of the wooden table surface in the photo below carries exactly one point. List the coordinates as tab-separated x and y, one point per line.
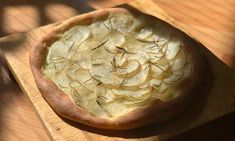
211	21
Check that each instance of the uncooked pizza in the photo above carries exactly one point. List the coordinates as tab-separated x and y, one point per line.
116	69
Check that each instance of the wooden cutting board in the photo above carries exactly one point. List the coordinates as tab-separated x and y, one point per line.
215	99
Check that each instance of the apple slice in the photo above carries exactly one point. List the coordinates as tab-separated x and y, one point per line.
157	71
79	35
86	79
129	93
138	79
49	70
179	62
81	95
163	87
106	75
132	68
121	60
116	108
132	44
61	78
96	109
132	98
114	39
173	47
70	72
137	102
99	27
124	23
174	78
57	50
145	33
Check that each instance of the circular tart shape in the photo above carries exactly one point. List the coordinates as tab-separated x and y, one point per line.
116	69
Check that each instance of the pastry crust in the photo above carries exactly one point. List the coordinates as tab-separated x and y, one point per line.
154	111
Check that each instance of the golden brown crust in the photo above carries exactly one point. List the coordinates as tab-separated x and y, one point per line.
64	105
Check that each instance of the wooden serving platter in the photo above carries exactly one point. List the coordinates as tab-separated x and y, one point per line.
215	98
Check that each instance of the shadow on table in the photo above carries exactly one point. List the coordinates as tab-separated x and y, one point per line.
221	129
80	6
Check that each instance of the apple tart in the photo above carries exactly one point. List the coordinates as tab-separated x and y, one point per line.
116	69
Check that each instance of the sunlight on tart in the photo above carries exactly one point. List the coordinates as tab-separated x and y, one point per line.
117	64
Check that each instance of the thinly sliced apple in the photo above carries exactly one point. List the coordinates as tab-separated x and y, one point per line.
132	68
106	94
151	51
155	82
140	56
130	100
174	78
100	95
100	90
70	72
86	79
101	61
161	43
116	108
132	44
106	75
89	44
152	47
79	34
99	27
114	39
49	70
173	47
130	93
138	79
137	102
124	23
163	87
155	52
145	33
57	49
60	66
121	60
62	79
96	109
101	57
179	62
157	71
163	62
75	84
81	95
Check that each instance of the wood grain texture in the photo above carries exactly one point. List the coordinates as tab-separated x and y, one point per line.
58	129
17	119
16	116
212	22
